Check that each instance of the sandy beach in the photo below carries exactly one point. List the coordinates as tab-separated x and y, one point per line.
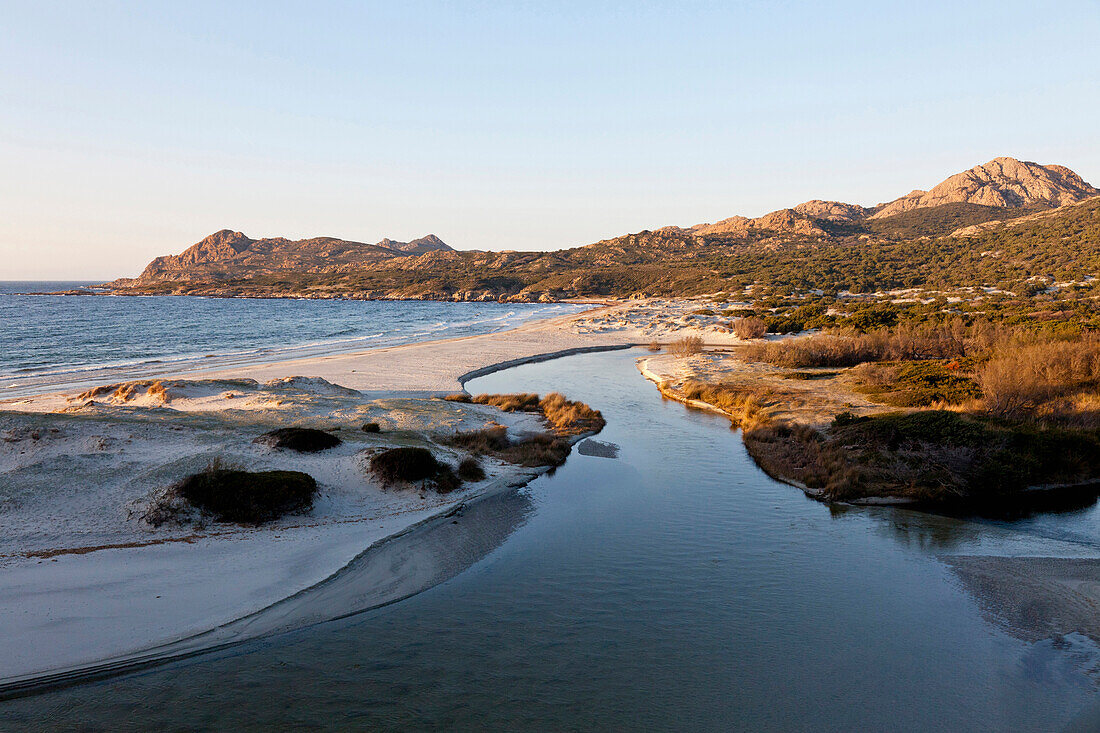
83	580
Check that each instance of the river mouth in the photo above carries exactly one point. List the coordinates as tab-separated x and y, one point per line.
670	586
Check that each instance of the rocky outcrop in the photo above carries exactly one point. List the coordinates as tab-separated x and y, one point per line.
667	260
430	243
831	210
1003	183
783	221
229	255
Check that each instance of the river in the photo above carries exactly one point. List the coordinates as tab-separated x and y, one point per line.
673	587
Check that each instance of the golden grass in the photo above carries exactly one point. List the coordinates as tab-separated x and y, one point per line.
746	405
750	327
566	417
686	346
1051	379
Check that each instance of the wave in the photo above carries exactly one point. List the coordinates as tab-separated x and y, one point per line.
222	334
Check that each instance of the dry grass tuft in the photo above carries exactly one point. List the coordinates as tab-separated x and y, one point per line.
748	406
686	346
541	449
750	327
1046	379
567	417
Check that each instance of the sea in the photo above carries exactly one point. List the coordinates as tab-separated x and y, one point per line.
55	342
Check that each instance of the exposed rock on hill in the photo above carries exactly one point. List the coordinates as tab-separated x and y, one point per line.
783	221
228	254
825	245
831	210
1002	182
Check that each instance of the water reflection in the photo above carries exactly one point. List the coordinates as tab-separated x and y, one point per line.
676	588
385	573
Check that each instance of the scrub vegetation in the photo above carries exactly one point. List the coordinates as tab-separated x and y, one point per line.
988	410
230	494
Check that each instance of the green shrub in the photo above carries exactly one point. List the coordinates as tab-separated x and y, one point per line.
303	440
246	497
404	464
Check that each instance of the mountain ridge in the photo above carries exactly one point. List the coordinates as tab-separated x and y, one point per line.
963	211
222	253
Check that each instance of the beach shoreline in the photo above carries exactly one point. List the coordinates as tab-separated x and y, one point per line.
54	589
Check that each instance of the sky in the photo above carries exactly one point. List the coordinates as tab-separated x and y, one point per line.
131	130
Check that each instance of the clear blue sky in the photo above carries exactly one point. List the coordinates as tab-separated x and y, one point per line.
129	130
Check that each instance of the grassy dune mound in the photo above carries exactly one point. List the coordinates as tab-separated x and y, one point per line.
410	465
303	440
245	497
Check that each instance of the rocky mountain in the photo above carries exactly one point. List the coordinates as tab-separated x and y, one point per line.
1002	183
951	233
227	254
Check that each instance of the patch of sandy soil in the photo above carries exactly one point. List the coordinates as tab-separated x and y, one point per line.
662	320
83	577
813	402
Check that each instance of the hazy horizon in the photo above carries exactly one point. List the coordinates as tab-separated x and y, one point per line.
133	132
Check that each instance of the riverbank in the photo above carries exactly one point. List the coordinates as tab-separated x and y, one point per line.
85	579
860	435
677	563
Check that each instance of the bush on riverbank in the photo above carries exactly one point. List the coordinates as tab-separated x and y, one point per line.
567	417
541	449
411	465
935	456
234	495
686	346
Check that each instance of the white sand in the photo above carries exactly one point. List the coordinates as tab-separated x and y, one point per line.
83	579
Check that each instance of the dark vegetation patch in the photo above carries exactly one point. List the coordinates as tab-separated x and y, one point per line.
469	469
917	383
233	495
541	449
935	456
303	440
411	465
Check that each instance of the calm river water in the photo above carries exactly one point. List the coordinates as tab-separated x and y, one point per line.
674	587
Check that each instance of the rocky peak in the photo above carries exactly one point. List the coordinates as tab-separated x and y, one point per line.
221	245
782	221
831	210
429	243
1002	182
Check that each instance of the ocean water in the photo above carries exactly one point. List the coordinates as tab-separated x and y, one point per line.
57	342
673	587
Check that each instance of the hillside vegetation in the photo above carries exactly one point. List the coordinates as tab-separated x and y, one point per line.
1006	225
